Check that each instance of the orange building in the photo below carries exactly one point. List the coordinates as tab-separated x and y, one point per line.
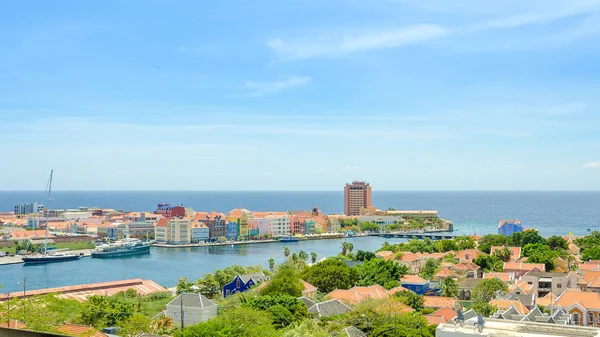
356	196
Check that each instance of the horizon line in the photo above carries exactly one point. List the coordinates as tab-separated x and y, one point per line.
340	191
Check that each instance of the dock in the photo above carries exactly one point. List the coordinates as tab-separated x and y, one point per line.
426	235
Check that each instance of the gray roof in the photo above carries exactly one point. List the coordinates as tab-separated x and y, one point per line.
545	274
353	331
535	315
192	300
257	277
469	283
329	308
307	301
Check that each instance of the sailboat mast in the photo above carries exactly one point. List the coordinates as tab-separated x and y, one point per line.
48	212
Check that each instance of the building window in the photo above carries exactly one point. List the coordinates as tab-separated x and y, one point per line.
237	283
590	318
559	285
576	318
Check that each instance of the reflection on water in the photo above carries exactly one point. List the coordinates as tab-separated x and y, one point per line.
165	265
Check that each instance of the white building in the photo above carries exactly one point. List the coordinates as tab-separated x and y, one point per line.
279	225
28	208
381	220
194	309
179	231
508	328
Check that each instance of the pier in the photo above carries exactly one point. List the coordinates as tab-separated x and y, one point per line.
420	236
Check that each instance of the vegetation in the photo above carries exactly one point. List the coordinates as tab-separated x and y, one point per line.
411	299
211	284
284	309
284	282
486	289
383	272
329	275
430	246
235	322
449	287
489	263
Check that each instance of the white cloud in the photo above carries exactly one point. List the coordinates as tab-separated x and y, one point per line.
263	88
592	165
513	15
350	43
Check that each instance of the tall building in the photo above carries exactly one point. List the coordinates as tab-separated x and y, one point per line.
356	196
29	208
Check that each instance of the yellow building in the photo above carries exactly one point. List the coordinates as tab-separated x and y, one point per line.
240	216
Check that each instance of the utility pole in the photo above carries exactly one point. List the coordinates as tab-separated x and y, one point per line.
24	285
182	310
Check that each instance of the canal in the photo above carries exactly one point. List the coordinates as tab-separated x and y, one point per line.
165	265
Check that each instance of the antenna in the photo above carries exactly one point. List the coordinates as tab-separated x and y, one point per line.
461	318
480	323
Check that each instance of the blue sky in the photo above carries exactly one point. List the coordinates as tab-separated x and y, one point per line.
300	95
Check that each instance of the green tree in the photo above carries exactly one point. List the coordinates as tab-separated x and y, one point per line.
540	253
449	287
503	254
411	299
329	275
430	268
364	256
284	282
486	289
307	327
272	265
103	311
235	322
489	263
447	245
313	257
209	286
524	238
303	255
347	247
487	241
464	242
591	254
383	272
286	252
557	242
184	285
135	325
484	309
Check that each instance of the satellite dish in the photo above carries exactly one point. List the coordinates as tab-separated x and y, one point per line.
479	323
461	318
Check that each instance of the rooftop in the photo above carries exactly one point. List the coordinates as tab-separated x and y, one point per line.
499	327
192	300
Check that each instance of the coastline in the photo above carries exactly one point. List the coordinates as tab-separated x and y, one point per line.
306	238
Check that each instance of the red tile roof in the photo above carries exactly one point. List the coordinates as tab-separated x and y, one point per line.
438	302
79	330
413	279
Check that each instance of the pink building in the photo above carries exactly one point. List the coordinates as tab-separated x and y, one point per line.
262	224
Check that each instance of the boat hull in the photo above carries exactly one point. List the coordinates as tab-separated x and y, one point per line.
289	240
122	253
49	259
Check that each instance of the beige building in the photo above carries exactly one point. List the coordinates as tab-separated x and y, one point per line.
175	231
279	225
356	196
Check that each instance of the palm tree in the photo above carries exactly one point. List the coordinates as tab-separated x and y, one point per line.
344	247
161	325
303	255
313	257
272	264
503	254
286	252
350	247
294	258
449	287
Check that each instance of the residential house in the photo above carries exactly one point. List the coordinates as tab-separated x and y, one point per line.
443	274
263	224
279	224
534	315
467	269
161	234
329	308
519	269
310	226
190	309
169	211
505	277
215	223
521	287
396	289
298	222
412	261
200	232
544	283
309	290
240	216
253	232
515	252
356	295
589	265
562	265
415	283
440	316
508	227
583	306
547	300
505	304
439	302
231	231
79	330
590	281
466	287
385	254
242	283
468	254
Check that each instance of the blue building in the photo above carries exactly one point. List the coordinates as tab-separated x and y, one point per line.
231	230
242	283
415	283
200	233
508	227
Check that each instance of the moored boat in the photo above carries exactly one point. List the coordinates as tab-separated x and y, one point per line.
126	247
288	239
